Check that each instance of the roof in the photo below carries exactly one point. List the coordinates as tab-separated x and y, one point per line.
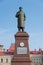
11	50
3	53
1	45
37	52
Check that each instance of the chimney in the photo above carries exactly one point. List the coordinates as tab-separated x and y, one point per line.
1	48
4	50
40	49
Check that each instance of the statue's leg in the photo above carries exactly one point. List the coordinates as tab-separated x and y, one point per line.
22	29
18	29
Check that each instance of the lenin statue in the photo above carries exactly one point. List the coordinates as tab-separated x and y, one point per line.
20	15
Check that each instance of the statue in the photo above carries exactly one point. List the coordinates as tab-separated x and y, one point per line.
20	15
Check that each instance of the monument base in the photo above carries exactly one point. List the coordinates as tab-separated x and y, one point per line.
22	63
21	54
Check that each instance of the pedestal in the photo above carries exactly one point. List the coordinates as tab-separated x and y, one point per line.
21	53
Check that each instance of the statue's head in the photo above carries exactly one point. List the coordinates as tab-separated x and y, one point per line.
20	8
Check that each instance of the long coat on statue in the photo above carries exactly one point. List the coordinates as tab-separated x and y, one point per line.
21	19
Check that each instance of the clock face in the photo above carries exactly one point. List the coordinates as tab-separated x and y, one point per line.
21	44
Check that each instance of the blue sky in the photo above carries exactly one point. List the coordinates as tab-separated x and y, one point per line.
33	24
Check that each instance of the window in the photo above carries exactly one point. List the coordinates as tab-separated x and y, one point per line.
40	64
42	59
35	64
6	60
1	60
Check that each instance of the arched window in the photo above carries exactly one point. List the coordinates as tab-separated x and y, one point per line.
6	60
1	60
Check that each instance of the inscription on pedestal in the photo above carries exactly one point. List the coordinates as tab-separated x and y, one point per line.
21	50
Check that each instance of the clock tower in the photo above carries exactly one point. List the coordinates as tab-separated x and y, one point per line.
21	54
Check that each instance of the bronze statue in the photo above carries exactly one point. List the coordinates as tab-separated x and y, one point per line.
21	19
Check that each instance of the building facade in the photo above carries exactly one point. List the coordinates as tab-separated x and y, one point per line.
37	57
6	56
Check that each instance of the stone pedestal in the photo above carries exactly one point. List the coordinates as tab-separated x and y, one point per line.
21	53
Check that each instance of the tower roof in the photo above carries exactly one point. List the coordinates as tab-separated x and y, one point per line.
11	48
